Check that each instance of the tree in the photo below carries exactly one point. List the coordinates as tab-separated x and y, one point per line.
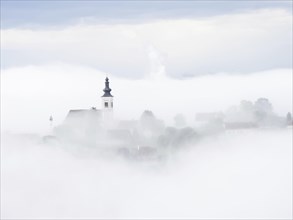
147	118
150	123
263	105
263	108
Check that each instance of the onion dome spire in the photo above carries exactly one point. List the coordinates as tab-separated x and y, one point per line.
107	90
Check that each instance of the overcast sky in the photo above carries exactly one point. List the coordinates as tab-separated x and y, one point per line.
40	13
188	38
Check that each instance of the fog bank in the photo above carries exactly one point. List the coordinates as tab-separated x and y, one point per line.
233	175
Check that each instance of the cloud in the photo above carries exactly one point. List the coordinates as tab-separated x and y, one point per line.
34	14
238	43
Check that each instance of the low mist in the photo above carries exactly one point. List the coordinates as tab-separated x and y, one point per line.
192	169
234	175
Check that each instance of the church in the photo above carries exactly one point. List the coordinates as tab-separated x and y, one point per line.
98	129
90	118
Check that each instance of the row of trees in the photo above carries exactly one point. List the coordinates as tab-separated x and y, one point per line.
248	111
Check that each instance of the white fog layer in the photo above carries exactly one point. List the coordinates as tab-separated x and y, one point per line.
234	175
223	174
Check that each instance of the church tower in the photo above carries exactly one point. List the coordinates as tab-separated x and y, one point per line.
107	102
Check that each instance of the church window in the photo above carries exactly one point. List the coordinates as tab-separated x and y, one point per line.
112	104
106	104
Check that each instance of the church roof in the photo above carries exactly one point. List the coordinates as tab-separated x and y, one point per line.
78	116
107	90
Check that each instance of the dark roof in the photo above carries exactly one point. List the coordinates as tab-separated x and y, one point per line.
107	90
78	116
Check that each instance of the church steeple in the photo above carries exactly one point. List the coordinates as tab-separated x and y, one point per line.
107	90
107	103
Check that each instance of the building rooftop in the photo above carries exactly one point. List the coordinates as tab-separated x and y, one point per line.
107	90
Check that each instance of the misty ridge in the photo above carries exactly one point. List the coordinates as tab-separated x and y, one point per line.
148	138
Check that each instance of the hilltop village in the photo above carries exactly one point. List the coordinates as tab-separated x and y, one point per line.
148	137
